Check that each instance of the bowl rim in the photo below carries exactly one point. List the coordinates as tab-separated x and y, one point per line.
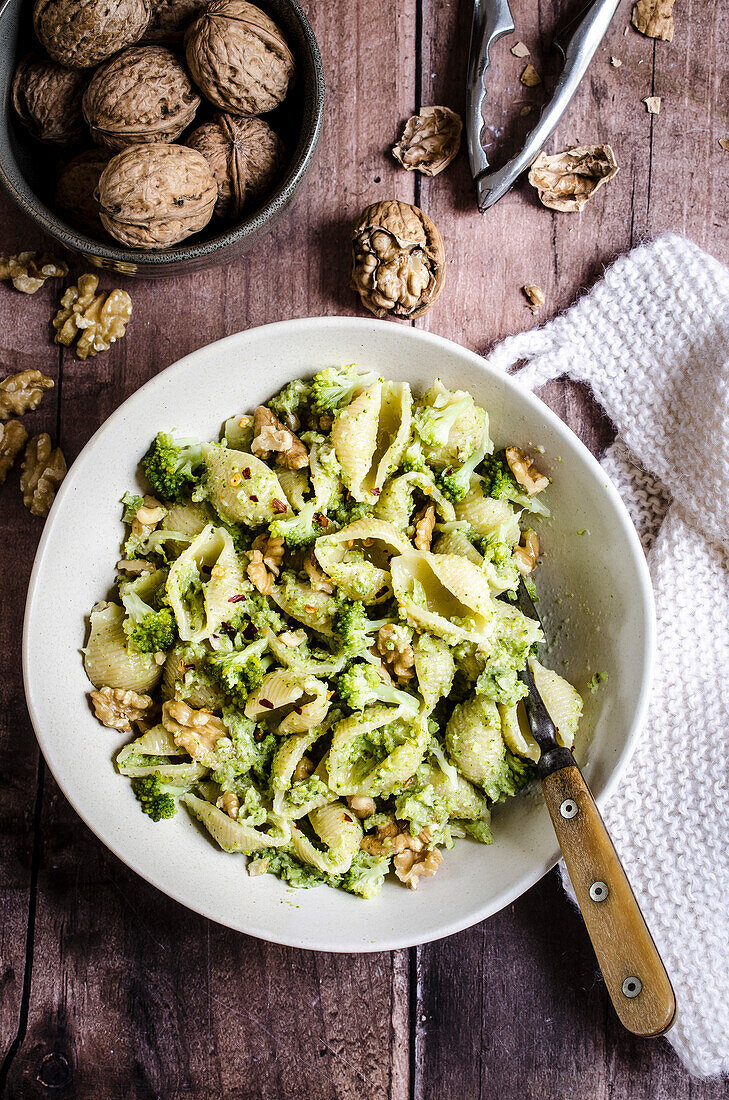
146	261
305	940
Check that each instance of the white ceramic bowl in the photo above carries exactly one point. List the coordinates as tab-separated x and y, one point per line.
595	596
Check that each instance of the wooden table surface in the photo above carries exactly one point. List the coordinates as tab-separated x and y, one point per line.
109	989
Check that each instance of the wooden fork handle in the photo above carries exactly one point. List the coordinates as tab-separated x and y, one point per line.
637	982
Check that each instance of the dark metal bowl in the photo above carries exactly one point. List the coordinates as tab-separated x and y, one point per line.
28	170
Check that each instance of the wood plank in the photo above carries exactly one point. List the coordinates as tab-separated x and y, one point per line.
131	994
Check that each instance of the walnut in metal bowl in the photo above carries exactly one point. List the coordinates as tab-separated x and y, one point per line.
142	95
47	100
245	156
170	19
76	186
153	196
81	33
239	58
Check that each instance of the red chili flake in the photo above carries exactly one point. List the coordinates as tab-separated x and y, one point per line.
266	703
321	519
297	709
278	505
253	498
448	472
237	598
249	633
259	735
382	591
247	473
376	492
347	817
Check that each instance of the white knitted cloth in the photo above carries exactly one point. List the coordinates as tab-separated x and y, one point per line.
652	341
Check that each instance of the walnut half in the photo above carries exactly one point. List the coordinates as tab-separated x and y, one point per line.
410	866
43	471
23	392
196	731
525	472
100	319
271	437
13	438
398	266
117	708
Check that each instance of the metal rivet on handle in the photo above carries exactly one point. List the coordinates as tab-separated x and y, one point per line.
599	891
568	808
632	987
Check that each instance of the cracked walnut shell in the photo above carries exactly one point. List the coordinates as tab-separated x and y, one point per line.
153	196
28	271
398	266
43	471
430	140
142	95
76	186
81	33
23	392
170	18
567	181
654	18
100	318
245	157
13	438
47	100
238	58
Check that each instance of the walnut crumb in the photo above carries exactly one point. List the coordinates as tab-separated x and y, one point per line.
395	651
653	104
43	471
265	562
135	566
230	803
519	49
196	731
525	472
21	393
257	867
28	271
530	77
424	527
118	708
303	769
317	577
724	143
100	319
526	554
535	296
271	437
13	438
394	837
615	62
362	805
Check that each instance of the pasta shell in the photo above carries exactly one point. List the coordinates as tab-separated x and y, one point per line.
108	661
338	830
300	601
462	799
234	836
350	763
242	488
180	682
393	434
457	542
435	669
284	763
296	486
484	514
201	606
444	594
474	742
305	696
188	519
354	435
562	701
516	733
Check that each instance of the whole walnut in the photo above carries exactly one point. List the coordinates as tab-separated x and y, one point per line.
239	58
153	196
81	33
244	155
76	186
47	100
142	95
398	266
170	18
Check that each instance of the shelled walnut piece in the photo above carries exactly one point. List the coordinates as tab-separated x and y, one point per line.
397	654
429	141
271	437
525	472
13	438
28	271
535	296
81	33
47	100
567	181
526	554
424	527
148	516
142	95
654	18
238	58
398	263
21	393
156	195
118	708
229	803
272	551
100	319
413	859
43	471
195	731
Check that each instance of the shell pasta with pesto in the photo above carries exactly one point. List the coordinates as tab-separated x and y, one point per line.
313	645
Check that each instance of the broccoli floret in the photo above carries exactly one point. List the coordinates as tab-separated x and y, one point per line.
455	481
132	503
299	875
499	482
361	685
247	754
423	808
171	466
433	422
366	875
335	387
353	630
343	513
239	671
291	397
299	530
156	632
255	612
155	796
414	459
